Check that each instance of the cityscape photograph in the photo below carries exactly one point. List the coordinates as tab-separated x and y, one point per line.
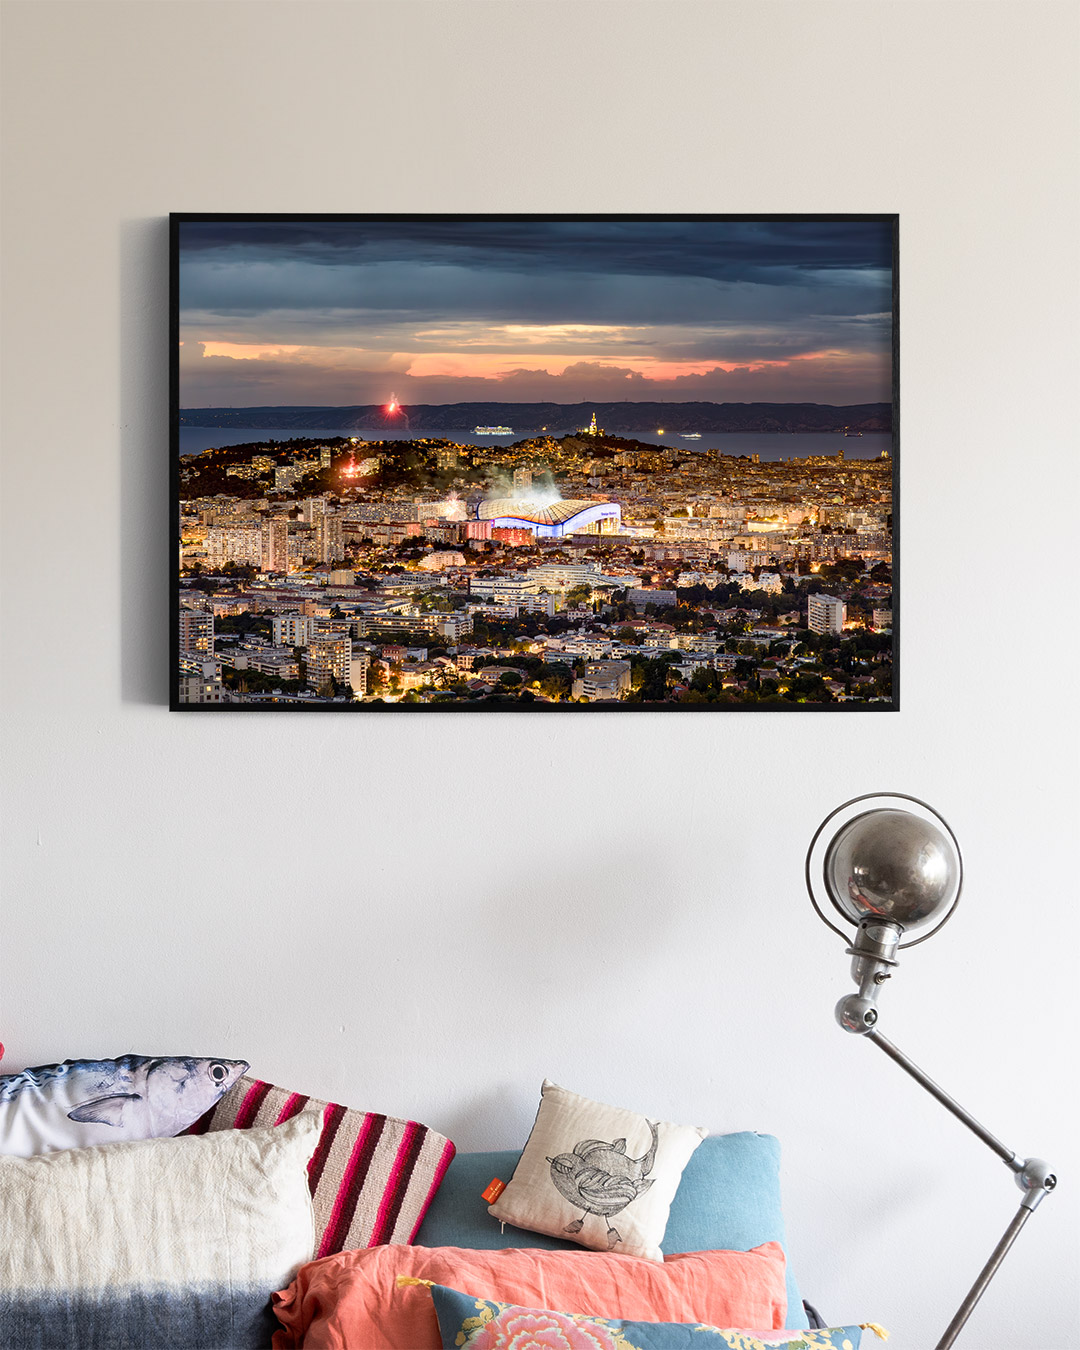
523	463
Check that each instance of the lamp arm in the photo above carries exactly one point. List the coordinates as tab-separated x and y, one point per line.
986	1274
1033	1176
909	1066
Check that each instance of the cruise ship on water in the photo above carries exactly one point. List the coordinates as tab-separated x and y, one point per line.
493	431
690	435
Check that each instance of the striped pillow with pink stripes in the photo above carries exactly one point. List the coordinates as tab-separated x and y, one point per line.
371	1177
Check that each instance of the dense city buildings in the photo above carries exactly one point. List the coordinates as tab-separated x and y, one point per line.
584	569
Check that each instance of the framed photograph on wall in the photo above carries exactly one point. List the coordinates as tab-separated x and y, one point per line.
556	463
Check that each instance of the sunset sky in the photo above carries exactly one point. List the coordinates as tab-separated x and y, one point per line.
448	311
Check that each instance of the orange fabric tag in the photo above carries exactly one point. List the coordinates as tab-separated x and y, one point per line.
495	1188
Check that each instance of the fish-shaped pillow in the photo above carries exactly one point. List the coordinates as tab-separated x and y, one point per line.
83	1102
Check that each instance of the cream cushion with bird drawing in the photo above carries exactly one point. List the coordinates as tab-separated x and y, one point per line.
598	1175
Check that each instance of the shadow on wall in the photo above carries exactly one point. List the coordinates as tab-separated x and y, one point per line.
144	461
488	1122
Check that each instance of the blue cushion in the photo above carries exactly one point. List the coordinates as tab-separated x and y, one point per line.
728	1199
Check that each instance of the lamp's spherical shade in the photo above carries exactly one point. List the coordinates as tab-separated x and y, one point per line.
893	865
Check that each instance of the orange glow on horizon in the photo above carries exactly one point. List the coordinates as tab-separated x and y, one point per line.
248	351
493	366
501	366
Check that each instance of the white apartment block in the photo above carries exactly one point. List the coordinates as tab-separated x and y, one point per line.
638	595
236	544
709	579
440	561
770	582
197	689
293	630
453	626
536	604
274	555
277	662
326	626
722	661
329	656
329	541
512	590
603	681
359	664
285	475
564	576
694	642
825	614
196	631
590	648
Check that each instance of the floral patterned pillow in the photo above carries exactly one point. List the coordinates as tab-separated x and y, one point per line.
468	1323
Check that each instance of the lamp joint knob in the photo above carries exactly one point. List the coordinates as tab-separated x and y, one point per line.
856	1014
1035	1179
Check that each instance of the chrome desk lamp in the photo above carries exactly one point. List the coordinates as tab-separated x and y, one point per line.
891	867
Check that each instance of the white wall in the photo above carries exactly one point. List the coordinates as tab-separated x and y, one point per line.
426	915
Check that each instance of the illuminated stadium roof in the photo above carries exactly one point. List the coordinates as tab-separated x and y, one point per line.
550	521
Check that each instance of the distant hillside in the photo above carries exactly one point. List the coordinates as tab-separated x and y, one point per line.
559	417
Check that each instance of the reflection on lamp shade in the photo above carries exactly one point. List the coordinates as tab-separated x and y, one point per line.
893	865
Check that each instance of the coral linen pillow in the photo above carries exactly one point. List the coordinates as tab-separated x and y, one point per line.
372	1176
351	1300
598	1175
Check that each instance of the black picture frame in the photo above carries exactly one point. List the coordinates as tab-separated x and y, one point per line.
186	686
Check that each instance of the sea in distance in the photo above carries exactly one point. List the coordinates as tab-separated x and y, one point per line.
770	446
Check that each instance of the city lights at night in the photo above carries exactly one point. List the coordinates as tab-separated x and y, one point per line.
586	488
